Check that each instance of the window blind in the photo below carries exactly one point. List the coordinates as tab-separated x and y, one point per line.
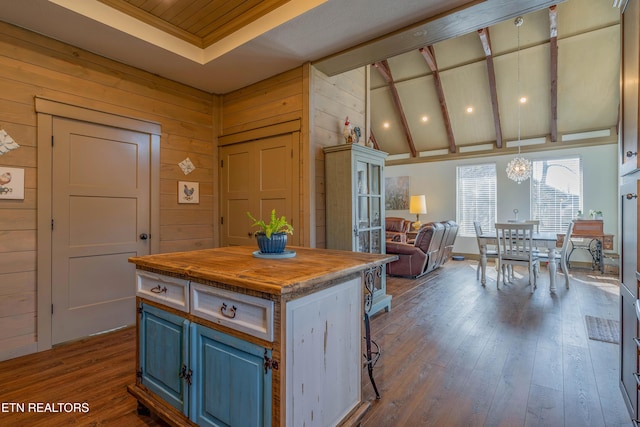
556	192
476	197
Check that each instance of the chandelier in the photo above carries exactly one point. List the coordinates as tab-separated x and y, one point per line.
519	169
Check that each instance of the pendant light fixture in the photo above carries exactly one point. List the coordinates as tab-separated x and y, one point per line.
519	169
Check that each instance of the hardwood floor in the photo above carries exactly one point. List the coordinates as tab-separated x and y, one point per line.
459	354
453	354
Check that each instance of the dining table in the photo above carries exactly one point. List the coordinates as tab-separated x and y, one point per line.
541	240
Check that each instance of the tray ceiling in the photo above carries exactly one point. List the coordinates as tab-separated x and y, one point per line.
199	22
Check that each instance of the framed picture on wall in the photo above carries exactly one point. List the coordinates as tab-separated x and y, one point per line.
11	183
397	192
188	192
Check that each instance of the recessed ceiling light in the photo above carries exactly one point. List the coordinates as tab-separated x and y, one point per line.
385	125
469	109
425	119
523	100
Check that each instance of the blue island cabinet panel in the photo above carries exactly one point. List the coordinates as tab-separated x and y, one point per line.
163	346
231	386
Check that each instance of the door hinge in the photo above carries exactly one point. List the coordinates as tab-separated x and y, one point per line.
52	223
221	220
52	140
139	373
51	308
221	163
269	363
139	309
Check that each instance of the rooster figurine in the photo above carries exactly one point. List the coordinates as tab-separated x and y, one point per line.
348	132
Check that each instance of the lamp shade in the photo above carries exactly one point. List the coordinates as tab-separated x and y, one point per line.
418	205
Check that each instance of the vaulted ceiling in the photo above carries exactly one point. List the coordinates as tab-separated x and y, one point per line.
462	95
429	60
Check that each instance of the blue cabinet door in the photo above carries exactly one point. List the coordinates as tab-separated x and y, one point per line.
230	385
163	355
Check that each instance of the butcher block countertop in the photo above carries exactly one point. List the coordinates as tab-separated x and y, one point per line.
236	266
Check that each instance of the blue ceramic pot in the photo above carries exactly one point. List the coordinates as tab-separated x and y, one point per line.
273	245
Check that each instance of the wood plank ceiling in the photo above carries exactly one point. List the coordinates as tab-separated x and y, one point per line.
199	22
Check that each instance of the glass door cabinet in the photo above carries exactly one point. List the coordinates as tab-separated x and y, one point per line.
354	177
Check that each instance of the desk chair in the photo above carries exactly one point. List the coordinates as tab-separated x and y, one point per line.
515	247
562	255
492	253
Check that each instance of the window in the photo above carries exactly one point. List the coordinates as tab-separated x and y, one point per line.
476	197
556	192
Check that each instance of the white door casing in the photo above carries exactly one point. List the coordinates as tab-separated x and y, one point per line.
87	259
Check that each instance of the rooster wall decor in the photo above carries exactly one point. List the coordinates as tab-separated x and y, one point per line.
5	178
11	183
188	192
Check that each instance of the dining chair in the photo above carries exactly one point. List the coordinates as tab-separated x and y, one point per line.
562	254
491	251
515	247
536	224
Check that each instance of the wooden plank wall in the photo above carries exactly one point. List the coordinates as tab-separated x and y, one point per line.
332	100
33	65
279	99
321	103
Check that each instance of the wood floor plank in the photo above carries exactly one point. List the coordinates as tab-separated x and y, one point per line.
454	353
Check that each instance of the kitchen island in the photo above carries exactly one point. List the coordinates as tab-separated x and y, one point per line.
227	338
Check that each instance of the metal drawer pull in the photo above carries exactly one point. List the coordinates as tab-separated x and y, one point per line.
186	374
159	290
232	311
631	153
637	341
630	196
636	375
637	275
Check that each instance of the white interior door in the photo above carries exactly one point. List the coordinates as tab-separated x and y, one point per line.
100	218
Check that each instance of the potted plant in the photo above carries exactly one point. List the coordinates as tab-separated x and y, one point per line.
595	214
272	236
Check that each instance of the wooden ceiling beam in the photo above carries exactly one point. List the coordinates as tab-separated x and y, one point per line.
429	56
385	72
553	52
485	39
373	140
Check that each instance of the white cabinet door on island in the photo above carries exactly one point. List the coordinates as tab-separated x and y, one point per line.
251	341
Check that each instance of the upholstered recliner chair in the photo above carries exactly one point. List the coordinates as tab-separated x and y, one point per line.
448	240
420	257
396	229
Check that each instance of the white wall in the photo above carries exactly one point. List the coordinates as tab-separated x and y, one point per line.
437	180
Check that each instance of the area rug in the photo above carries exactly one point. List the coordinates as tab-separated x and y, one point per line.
600	329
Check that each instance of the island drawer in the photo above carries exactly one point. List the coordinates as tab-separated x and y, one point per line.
166	290
240	312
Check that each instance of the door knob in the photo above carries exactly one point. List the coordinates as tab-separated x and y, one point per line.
144	236
631	153
630	196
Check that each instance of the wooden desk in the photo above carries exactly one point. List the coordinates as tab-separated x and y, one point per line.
588	234
541	240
